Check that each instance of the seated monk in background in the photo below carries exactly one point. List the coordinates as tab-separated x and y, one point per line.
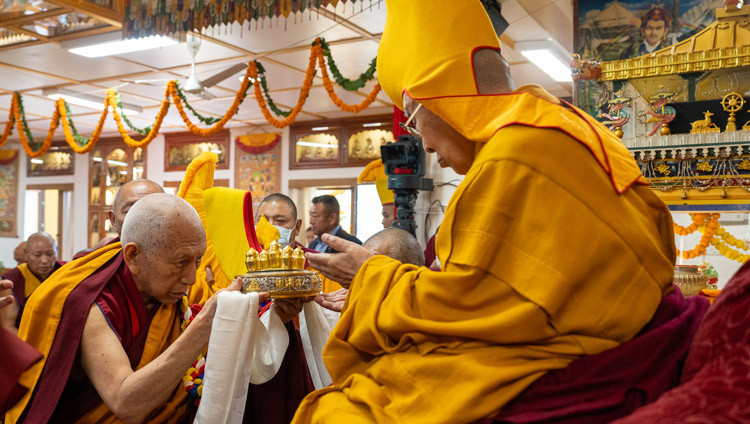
109	324
41	262
553	248
392	242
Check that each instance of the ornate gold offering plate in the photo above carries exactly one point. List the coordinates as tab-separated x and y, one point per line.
280	272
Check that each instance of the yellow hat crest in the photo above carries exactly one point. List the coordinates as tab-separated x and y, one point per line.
375	171
427	46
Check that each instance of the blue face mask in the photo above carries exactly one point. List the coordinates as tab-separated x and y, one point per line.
284	234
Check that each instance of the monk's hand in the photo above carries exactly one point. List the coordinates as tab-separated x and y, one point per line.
209	308
6	293
343	266
333	300
209	276
288	308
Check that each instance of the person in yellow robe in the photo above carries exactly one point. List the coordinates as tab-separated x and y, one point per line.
112	325
552	248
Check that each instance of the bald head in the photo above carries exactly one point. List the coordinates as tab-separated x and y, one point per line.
163	243
154	221
19	253
125	198
397	244
280	198
41	254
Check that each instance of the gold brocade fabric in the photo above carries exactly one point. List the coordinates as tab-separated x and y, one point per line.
543	263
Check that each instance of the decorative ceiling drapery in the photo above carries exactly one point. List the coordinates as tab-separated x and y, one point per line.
150	17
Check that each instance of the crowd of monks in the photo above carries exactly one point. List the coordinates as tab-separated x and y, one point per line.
553	300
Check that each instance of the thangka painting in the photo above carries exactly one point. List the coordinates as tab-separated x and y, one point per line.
259	173
630	28
8	192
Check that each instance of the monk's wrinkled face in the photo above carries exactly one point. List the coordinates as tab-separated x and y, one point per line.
166	272
452	149
389	215
41	256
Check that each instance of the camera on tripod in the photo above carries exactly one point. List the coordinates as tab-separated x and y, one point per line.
405	166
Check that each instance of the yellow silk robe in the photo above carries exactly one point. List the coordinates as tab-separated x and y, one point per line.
543	262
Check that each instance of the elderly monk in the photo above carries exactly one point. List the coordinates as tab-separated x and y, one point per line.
19	253
392	242
41	262
109	324
519	294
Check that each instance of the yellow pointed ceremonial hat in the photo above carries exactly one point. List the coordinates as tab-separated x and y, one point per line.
375	171
427	46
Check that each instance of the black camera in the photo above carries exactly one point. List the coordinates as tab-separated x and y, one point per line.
405	166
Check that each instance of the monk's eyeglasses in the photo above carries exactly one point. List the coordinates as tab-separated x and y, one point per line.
412	129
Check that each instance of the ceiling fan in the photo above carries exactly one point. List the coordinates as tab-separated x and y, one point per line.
193	85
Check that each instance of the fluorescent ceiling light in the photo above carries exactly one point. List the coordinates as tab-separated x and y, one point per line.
85	100
320	128
549	56
375	124
35	160
113	47
311	144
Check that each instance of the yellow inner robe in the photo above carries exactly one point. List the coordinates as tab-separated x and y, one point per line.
543	262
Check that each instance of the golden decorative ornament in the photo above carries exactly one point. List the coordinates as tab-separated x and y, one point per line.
689	279
732	103
705	125
251	260
287	257
263	260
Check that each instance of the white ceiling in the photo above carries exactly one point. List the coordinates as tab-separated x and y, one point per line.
282	48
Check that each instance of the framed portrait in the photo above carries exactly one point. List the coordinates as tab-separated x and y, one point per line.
57	161
260	172
337	143
630	28
181	148
8	193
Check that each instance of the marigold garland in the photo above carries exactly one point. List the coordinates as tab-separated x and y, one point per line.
306	85
708	234
730	239
319	51
332	94
698	220
729	252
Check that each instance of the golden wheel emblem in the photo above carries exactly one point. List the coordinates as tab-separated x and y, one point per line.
732	103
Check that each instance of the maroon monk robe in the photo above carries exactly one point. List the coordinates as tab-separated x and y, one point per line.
17	356
715	383
111	286
609	385
19	286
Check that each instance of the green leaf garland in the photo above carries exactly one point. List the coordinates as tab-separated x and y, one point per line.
142	131
81	140
345	83
34	144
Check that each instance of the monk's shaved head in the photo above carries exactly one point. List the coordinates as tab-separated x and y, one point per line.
125	198
397	244
156	219
163	242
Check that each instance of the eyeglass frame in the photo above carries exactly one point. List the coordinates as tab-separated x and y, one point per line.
412	130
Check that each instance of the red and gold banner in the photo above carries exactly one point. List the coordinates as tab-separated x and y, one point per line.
258	143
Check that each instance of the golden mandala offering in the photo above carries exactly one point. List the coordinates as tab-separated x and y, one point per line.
280	272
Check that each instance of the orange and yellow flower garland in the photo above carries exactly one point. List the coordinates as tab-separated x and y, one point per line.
328	84
729	252
698	220
708	234
60	112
